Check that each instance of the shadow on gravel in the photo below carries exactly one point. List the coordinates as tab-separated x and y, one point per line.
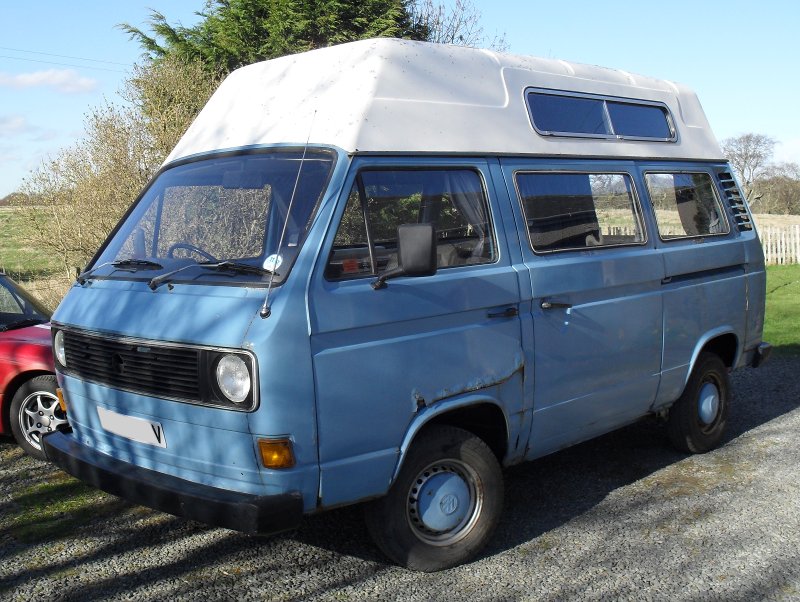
540	496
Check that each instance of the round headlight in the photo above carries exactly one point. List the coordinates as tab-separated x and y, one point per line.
233	378
58	347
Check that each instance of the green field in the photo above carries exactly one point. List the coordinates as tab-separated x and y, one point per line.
782	322
18	257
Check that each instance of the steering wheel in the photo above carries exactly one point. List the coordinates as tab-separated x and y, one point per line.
192	249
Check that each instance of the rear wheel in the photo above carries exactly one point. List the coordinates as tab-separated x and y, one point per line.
444	505
698	419
35	412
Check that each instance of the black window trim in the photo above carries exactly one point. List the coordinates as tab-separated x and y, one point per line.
345	196
606	117
638	213
720	205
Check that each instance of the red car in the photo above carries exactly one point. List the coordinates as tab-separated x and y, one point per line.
28	404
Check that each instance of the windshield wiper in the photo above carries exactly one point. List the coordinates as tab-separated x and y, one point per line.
22	324
233	267
129	265
134	265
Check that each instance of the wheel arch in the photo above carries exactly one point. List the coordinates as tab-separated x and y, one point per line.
481	416
11	389
726	346
722	342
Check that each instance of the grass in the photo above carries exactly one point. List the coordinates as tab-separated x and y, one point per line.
18	257
782	321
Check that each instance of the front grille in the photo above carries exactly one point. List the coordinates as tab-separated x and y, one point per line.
141	367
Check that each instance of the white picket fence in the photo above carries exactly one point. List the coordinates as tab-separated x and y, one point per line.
781	244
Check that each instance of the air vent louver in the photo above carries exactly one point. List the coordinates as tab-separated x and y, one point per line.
735	200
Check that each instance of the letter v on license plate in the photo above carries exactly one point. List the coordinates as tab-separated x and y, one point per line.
137	429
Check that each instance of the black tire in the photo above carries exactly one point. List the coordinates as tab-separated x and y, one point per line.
35	411
444	505
697	420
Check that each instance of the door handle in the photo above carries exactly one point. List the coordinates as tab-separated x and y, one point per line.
508	312
555	305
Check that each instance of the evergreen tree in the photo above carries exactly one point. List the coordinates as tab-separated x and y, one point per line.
233	33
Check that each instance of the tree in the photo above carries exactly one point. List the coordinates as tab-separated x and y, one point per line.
459	24
15	198
780	189
749	155
233	33
167	96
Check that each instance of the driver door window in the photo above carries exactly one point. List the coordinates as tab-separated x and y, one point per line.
381	200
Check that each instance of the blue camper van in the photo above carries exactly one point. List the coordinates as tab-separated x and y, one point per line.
383	271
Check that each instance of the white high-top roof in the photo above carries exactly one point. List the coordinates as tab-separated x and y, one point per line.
397	96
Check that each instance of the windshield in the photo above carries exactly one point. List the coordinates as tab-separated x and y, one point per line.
17	307
222	210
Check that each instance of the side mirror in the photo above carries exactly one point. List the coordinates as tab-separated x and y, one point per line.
416	253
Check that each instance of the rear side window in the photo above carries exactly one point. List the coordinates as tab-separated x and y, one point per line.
685	205
579	210
598	116
638	121
381	200
568	114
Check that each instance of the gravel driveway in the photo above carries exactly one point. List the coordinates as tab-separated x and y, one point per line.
620	517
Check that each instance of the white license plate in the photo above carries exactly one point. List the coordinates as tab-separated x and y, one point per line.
137	429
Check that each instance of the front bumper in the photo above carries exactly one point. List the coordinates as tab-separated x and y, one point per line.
243	512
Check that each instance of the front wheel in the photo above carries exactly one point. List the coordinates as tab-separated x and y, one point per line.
35	412
444	505
697	420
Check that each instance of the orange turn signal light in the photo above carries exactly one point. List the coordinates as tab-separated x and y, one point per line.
61	403
276	453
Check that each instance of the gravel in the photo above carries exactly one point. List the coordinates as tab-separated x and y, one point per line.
620	517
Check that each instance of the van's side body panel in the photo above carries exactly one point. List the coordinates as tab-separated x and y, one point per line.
409	346
704	288
596	363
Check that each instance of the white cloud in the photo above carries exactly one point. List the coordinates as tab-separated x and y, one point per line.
13	124
66	81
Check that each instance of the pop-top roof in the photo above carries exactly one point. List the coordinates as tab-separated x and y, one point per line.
388	95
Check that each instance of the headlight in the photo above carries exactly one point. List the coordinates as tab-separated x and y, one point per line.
58	347
233	377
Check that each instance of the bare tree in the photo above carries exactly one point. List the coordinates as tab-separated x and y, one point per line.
749	155
780	189
458	24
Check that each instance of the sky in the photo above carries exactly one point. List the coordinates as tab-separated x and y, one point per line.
60	59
